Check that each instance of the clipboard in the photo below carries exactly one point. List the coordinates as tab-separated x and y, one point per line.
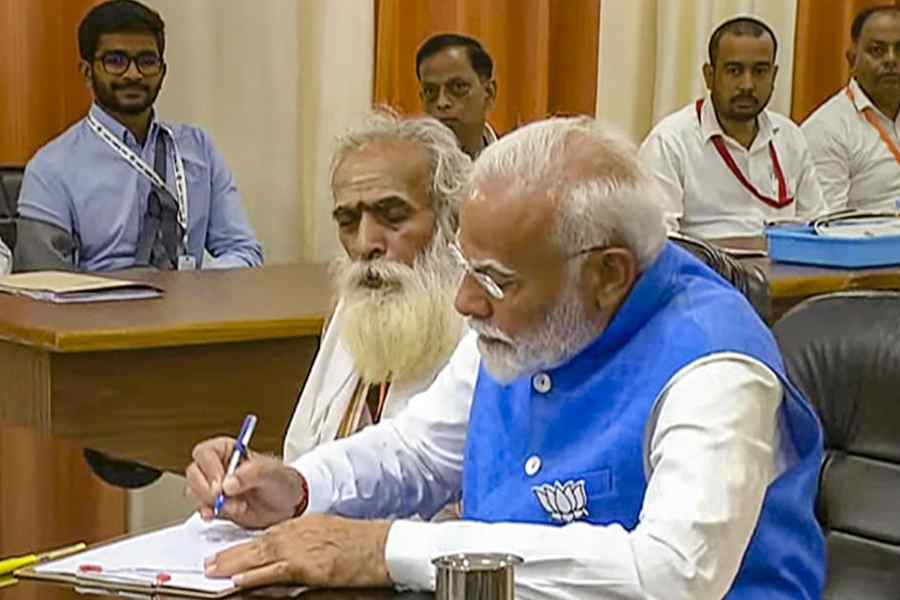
118	583
119	588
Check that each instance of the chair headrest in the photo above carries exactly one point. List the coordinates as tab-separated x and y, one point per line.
843	351
747	278
10	185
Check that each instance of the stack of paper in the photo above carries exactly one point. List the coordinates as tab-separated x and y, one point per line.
176	553
65	288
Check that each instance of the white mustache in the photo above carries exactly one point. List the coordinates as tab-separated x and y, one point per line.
489	331
377	274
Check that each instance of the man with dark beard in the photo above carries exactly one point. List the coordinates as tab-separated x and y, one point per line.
725	164
121	188
395	185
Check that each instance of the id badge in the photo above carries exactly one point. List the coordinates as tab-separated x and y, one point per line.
186	262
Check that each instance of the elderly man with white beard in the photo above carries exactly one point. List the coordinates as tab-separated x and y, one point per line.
395	185
631	435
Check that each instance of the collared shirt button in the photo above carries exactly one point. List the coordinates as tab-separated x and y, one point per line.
541	383
532	465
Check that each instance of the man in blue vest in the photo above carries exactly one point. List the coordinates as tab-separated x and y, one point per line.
631	432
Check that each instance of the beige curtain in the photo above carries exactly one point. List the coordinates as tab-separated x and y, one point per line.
273	83
652	51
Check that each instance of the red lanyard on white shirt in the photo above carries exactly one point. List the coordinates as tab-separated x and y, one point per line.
869	114
138	164
722	149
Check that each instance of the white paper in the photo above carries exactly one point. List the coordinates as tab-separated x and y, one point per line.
176	551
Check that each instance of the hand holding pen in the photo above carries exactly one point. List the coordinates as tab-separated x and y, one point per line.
240	451
256	490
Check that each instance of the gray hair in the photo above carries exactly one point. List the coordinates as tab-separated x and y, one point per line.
450	166
605	195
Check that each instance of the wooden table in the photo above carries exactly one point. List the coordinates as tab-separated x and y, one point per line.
145	380
790	284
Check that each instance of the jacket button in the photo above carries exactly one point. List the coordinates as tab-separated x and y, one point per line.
541	383
532	465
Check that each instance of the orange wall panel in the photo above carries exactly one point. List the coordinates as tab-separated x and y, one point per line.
41	92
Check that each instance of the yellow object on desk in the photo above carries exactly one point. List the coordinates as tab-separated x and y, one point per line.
9	565
7	581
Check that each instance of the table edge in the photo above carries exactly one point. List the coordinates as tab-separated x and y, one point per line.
191	335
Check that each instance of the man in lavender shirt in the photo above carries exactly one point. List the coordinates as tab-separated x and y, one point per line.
120	188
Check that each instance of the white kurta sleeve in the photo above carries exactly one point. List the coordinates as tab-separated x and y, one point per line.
712	455
411	464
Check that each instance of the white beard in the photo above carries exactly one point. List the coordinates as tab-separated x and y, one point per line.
564	333
407	326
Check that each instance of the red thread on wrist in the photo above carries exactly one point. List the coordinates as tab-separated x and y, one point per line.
304	500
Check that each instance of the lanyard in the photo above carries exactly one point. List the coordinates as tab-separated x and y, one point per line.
722	149
138	164
869	114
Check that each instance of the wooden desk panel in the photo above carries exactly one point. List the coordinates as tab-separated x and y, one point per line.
146	380
800	281
169	399
48	496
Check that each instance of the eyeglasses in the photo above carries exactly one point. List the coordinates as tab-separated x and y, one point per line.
489	285
485	280
117	62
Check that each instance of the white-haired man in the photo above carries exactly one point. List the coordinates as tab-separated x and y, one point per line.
632	433
395	184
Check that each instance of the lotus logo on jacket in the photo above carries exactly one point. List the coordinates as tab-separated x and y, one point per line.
563	502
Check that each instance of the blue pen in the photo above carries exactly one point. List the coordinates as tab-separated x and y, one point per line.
240	450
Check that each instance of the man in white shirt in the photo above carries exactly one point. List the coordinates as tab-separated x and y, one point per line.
457	87
853	137
725	164
395	184
631	433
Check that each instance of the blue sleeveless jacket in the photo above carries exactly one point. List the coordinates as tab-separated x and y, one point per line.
568	443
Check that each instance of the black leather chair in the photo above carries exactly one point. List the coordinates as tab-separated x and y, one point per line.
747	278
10	184
120	473
843	351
